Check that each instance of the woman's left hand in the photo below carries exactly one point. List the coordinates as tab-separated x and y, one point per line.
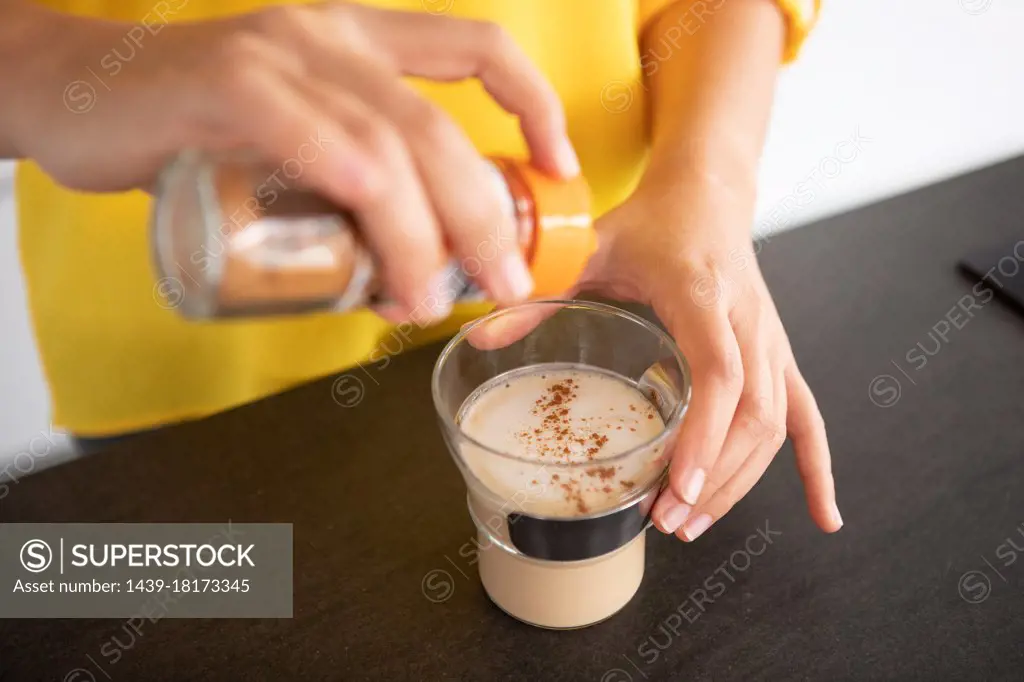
684	247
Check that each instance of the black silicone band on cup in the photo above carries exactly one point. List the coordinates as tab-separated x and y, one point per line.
575	539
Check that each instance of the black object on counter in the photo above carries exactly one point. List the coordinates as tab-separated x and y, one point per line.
999	268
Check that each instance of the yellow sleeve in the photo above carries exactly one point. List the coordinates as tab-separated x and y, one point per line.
801	16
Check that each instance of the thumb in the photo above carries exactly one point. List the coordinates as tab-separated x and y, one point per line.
506	325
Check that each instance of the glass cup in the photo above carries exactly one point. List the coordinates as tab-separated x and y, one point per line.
561	516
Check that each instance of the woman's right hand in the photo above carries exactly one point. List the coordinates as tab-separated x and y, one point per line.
322	80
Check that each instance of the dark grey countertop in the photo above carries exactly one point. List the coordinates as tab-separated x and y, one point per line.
930	483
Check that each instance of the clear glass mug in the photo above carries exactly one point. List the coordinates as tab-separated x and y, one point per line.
551	555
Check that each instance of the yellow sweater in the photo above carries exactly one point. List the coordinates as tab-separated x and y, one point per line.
117	361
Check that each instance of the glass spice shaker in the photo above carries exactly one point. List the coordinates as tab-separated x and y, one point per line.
241	241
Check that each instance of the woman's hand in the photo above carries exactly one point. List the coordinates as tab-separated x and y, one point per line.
318	86
684	247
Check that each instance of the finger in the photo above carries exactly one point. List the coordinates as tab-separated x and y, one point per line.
813	460
446	48
343	173
756	420
394	314
462	189
510	325
507	329
404	235
709	344
767	437
669	512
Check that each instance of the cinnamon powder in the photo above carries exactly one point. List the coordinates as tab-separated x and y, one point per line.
251	234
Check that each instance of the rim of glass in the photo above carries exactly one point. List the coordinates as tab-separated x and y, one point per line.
675	417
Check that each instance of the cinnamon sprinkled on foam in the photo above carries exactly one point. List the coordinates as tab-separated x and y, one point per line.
560	438
556	426
604	473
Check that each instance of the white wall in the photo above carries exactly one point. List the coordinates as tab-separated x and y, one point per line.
24	408
934	87
938	86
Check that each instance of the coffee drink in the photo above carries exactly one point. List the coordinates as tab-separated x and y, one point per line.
568	458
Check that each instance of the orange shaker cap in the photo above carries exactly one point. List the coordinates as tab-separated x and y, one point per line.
563	234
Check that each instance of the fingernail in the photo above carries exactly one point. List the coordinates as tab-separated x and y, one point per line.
442	294
517	277
391	312
674	516
491	334
695	528
568	162
837	518
693	483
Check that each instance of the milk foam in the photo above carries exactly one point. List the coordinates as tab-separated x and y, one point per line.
567	420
